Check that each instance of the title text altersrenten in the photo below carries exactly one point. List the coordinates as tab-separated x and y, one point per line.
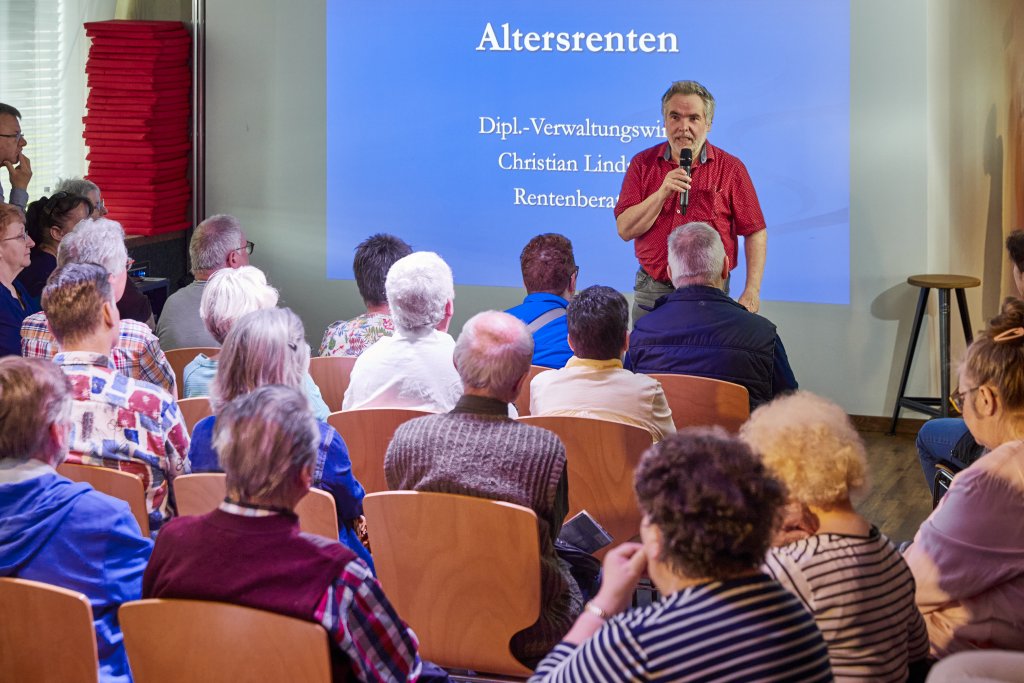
549	41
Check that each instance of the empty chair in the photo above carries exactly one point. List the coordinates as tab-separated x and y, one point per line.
179	358
703	402
194	409
332	375
46	634
480	585
234	643
523	402
124	485
367	433
601	457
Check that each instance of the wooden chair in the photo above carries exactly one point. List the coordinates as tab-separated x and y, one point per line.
367	433
703	402
332	375
602	456
197	494
179	358
523	402
46	633
175	641
194	409
123	485
463	572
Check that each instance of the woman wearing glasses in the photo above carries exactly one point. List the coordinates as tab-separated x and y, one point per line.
968	556
15	302
48	220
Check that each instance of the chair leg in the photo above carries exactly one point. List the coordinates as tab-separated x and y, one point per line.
944	351
965	316
922	303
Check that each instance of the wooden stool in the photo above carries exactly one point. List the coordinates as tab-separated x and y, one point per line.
936	407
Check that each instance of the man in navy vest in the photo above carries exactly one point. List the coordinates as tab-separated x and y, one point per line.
698	330
549	275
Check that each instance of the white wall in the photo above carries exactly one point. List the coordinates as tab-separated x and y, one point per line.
266	123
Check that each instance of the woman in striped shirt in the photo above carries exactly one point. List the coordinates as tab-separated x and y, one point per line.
709	511
847	573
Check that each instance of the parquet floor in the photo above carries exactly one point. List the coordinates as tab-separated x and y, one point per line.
898	500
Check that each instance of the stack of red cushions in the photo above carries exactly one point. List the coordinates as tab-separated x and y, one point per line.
137	125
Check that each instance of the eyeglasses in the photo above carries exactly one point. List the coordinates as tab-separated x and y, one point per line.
249	246
23	237
956	399
19	136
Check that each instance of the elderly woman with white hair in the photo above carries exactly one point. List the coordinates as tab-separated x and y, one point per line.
231	294
265	347
847	573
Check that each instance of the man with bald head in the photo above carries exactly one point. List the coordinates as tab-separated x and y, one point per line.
476	450
698	330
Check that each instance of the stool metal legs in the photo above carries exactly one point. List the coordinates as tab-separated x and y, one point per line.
922	303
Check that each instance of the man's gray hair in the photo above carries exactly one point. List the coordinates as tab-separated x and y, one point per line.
79	186
690	88
212	241
418	286
493	352
230	294
95	240
695	250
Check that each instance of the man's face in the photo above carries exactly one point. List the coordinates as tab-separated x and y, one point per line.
242	254
10	147
685	124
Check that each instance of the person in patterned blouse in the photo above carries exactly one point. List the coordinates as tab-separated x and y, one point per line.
117	422
374	257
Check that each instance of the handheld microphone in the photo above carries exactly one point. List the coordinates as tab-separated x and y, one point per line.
685	161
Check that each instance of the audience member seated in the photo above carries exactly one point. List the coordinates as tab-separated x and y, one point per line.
269	347
231	294
137	353
946	439
699	330
476	450
846	572
374	257
48	220
709	511
87	189
19	169
593	382
413	368
218	242
117	422
549	275
54	530
250	551
15	302
968	556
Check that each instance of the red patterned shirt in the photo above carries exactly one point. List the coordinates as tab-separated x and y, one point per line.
721	195
127	425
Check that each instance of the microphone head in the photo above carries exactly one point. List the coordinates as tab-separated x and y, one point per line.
686	157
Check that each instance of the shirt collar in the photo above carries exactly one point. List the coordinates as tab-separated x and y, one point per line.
481	405
84	358
577	362
246	510
13	471
546	297
706	152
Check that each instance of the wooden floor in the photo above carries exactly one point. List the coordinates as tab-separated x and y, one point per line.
898	500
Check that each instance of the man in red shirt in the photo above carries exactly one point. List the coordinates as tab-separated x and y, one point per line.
720	194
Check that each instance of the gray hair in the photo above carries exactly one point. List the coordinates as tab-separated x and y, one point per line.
79	186
230	294
212	241
690	88
695	250
95	240
418	287
264	347
34	394
493	352
264	439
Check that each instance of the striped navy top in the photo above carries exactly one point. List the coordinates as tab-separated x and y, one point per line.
861	594
746	629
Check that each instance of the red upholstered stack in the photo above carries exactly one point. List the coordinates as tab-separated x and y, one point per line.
137	125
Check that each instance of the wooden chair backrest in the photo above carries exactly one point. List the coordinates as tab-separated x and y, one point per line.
123	485
332	375
704	402
179	358
234	643
46	633
463	572
602	456
523	402
197	494
367	433
194	409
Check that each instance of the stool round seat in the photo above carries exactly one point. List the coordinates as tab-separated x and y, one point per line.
944	281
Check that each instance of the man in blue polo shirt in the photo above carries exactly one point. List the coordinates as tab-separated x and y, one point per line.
549	275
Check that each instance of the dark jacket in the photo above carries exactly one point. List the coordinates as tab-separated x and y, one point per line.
699	330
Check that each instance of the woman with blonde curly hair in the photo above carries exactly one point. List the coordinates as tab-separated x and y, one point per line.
846	572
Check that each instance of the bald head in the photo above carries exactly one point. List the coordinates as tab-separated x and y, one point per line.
696	256
493	355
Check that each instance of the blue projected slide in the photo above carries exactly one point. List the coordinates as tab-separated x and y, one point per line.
467	128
